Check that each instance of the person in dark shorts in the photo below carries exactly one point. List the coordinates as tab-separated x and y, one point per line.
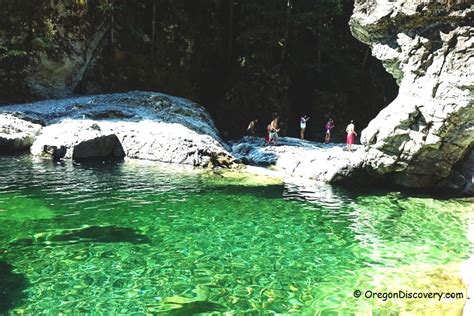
273	130
329	126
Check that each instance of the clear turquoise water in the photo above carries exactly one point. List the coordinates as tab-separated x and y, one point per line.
138	238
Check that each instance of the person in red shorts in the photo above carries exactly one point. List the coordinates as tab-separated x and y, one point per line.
351	134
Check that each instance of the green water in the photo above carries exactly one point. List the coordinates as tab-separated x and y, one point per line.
137	238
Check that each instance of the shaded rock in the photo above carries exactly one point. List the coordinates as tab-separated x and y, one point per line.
16	134
102	147
299	158
12	286
54	152
141	125
428	46
461	178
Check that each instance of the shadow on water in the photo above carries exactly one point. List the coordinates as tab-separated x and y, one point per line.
92	234
12	286
8	151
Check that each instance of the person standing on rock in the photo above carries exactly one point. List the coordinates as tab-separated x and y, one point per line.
351	133
329	126
251	127
273	130
303	121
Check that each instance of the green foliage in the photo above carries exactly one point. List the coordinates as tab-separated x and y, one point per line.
106	7
6	53
51	29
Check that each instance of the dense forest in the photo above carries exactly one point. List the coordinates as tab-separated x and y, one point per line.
240	59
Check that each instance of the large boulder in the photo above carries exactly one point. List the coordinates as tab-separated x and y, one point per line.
79	140
428	46
140	125
16	134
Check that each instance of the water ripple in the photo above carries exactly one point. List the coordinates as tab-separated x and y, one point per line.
139	238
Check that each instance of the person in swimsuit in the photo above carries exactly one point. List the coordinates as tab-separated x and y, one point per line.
303	121
273	130
351	133
329	126
251	127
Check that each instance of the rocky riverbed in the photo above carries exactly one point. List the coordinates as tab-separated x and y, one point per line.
298	158
158	127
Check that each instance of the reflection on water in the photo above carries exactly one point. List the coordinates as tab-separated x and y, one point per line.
139	238
315	192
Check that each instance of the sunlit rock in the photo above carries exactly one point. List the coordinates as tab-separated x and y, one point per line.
79	140
140	125
428	46
299	158
16	134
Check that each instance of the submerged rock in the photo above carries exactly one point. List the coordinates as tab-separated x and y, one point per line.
179	305
195	308
16	134
92	234
141	125
12	286
101	234
428	46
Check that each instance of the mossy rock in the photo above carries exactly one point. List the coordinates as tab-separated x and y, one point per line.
19	208
241	177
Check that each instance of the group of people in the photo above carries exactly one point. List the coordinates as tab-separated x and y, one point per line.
273	129
271	137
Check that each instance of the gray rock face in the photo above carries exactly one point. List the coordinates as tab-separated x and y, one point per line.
57	76
302	159
16	134
51	45
141	125
428	46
